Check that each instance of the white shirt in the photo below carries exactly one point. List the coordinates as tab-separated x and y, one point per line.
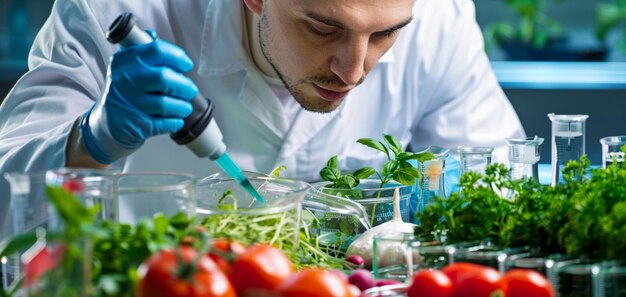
433	87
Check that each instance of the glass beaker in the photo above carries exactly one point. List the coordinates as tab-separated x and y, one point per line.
474	158
568	142
433	182
336	220
612	150
524	156
30	209
144	194
378	202
397	256
227	210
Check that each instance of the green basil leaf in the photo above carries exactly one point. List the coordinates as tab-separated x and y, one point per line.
394	144
364	172
349	181
404	177
403	156
389	168
420	157
330	174
375	144
332	162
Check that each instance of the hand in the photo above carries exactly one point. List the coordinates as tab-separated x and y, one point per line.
146	94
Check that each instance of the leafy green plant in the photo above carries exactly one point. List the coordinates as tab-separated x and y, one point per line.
534	27
476	212
611	16
397	167
584	216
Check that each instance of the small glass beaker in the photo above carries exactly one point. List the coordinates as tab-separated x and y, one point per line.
336	221
489	255
397	256
227	210
474	158
29	207
612	150
396	290
568	142
378	202
57	268
523	157
433	181
143	194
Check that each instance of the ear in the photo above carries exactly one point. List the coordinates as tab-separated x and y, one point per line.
255	6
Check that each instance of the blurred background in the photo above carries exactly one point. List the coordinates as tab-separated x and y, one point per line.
560	56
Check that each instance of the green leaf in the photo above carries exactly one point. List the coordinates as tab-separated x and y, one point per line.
375	144
422	157
349	181
407	175
330	174
18	243
364	172
394	144
389	168
332	162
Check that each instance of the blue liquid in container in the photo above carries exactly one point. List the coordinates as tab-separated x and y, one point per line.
233	170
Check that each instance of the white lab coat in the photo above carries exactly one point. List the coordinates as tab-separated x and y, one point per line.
433	87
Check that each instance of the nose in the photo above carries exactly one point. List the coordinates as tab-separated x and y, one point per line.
349	60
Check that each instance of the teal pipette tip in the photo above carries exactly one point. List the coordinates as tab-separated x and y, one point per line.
250	189
233	170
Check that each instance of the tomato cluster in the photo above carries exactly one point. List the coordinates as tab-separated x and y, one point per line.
231	269
471	280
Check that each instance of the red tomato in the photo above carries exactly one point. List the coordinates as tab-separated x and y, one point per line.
471	280
525	282
430	283
315	283
224	252
261	266
160	275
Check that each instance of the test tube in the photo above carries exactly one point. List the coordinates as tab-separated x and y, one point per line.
568	142
612	150
474	158
433	176
523	157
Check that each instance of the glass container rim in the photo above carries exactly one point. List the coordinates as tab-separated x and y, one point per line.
568	117
475	150
186	181
297	194
535	140
613	140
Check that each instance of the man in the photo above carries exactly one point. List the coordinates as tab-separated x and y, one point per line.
293	82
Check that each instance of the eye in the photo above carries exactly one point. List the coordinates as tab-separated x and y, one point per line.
385	34
321	30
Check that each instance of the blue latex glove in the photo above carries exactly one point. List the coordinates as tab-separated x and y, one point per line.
146	94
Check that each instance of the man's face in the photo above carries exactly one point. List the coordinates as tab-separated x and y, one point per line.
321	49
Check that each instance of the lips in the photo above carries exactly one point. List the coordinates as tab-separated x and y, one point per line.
330	95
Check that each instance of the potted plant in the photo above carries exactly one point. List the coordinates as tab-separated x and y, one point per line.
537	37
